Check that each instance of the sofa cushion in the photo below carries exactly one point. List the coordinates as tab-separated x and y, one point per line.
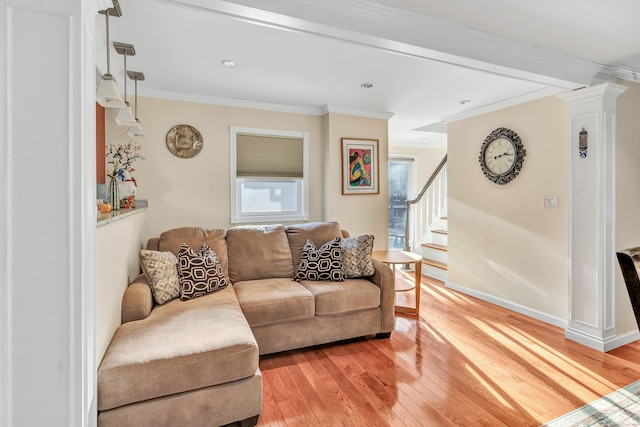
181	346
161	271
357	260
258	252
318	232
200	274
324	263
195	237
274	300
343	297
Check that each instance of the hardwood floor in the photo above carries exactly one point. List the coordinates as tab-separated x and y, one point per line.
464	363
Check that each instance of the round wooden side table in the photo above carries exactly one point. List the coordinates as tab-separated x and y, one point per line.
394	257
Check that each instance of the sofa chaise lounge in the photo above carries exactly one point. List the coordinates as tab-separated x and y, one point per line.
195	362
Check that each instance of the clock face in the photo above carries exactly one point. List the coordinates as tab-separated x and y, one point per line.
502	155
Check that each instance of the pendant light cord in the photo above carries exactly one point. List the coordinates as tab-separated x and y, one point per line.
106	16
136	111
125	77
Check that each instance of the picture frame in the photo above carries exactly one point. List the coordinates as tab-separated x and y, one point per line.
360	165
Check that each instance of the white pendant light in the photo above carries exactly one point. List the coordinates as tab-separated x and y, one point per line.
136	130
125	116
108	95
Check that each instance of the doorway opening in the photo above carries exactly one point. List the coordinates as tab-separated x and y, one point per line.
401	187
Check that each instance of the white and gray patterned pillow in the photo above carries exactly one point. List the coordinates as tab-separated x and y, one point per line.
161	270
321	264
356	256
200	274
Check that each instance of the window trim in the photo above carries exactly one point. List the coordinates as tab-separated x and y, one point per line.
235	185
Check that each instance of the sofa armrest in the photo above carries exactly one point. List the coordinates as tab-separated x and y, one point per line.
153	244
383	277
137	300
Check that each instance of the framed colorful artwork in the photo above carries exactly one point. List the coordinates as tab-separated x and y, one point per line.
360	166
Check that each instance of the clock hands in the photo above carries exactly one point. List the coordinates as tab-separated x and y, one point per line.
503	154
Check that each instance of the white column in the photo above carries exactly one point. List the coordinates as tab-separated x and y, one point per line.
592	216
47	220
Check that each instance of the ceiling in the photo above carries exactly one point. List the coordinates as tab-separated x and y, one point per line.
423	56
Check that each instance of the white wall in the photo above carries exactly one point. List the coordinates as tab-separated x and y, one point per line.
627	193
47	220
117	246
502	241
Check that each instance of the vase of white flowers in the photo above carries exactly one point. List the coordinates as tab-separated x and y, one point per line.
120	158
113	193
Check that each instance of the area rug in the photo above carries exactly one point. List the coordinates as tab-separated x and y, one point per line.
620	408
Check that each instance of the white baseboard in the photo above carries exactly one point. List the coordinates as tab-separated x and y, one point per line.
538	315
599	344
571	334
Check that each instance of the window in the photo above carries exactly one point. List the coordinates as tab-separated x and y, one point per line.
269	175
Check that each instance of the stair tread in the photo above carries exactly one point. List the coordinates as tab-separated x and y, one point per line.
439	231
435	246
436	264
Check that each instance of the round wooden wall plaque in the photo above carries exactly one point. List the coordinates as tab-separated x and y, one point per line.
184	141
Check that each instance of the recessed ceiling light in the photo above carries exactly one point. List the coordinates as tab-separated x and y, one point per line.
228	63
463	101
367	85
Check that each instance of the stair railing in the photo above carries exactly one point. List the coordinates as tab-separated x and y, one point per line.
409	203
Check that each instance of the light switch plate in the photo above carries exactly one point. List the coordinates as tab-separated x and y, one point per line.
550	202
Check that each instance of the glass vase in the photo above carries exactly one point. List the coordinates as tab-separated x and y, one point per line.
114	194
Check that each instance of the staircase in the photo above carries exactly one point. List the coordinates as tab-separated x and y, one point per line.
426	223
434	251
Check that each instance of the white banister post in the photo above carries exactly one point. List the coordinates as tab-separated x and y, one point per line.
592	215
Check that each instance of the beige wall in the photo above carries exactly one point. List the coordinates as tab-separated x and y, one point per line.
196	191
117	246
502	241
359	214
627	192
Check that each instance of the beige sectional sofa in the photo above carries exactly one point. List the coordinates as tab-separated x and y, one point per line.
195	362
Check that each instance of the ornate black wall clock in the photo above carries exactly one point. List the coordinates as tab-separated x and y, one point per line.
502	155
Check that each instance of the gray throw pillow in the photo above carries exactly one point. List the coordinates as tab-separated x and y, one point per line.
356	256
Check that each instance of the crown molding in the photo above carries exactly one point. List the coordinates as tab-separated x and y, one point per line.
511	102
355	112
625	72
259	105
229	102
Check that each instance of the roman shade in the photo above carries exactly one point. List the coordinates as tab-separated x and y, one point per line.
269	156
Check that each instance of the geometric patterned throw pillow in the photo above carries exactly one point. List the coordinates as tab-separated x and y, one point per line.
200	273
161	271
356	256
321	264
